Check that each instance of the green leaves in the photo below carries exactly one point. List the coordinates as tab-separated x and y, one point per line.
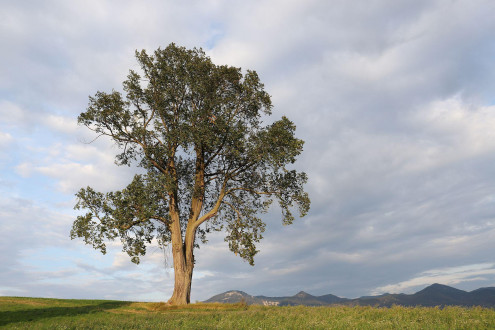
131	214
244	229
196	130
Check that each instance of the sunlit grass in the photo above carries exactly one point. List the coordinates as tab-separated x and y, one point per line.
40	313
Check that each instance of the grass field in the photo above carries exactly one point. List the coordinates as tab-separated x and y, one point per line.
40	313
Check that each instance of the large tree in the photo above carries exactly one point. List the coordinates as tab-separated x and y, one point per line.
208	162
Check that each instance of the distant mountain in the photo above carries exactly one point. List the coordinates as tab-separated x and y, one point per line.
331	299
485	296
233	297
301	298
438	294
433	295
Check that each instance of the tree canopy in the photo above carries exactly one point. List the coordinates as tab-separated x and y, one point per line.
209	162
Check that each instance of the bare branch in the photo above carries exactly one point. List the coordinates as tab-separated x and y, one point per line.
251	191
96	138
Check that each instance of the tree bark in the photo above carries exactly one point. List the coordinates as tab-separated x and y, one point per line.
183	279
182	251
183	261
183	270
182	254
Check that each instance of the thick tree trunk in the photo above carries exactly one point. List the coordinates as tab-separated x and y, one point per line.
183	256
182	287
182	251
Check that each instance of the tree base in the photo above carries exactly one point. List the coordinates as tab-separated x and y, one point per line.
176	301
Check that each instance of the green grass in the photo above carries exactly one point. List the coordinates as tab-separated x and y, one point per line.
41	313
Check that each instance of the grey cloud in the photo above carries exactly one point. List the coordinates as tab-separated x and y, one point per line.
30	232
27	227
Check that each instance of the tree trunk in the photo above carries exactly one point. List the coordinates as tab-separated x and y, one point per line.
182	286
182	251
183	266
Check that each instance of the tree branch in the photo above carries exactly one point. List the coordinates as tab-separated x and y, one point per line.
215	209
252	191
132	224
235	210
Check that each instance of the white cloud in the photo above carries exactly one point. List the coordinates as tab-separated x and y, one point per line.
77	165
446	276
24	169
67	125
12	114
73	175
5	140
27	226
16	115
468	128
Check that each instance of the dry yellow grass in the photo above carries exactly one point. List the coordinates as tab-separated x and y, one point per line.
29	301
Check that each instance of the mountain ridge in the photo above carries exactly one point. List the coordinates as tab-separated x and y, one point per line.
432	295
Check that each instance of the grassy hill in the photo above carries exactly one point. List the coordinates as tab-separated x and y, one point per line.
40	313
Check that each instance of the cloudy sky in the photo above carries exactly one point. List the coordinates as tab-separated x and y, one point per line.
395	100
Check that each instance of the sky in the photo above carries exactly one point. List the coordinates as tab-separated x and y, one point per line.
395	101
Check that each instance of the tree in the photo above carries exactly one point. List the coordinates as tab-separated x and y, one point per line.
209	164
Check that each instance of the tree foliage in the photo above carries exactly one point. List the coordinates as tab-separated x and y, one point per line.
209	162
